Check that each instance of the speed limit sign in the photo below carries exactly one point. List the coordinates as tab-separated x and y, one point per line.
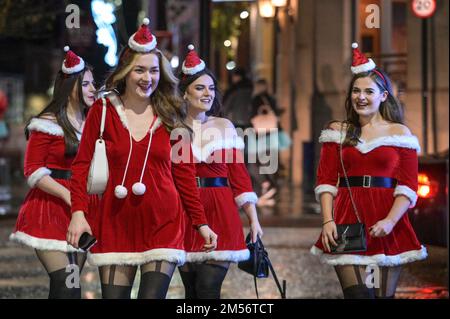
423	8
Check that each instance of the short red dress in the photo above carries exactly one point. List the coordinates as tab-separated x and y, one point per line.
222	158
138	228
388	156
43	219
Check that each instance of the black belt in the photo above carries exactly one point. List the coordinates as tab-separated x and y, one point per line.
60	173
368	181
212	181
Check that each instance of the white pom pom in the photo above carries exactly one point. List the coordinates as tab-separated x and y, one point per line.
120	192
190	47
354	45
146	21
138	189
66	48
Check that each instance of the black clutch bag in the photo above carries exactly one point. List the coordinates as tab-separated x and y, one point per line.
86	241
351	238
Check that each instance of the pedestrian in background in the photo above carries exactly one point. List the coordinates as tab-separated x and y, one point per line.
223	182
53	139
142	210
379	156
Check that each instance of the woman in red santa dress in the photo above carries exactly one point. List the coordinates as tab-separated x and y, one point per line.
222	179
53	138
379	155
142	211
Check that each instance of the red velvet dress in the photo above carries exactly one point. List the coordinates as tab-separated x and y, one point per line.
43	219
222	158
136	229
389	156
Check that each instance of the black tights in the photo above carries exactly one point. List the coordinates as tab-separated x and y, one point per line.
64	270
117	281
203	280
356	285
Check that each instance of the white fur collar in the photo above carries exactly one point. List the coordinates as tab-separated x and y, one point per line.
202	153
45	126
115	101
405	141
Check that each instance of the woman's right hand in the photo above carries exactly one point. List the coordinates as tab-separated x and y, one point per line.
329	235
210	238
78	225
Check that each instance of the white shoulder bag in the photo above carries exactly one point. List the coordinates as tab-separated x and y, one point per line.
99	172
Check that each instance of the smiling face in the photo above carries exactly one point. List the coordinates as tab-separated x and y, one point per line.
201	93
88	88
144	76
367	97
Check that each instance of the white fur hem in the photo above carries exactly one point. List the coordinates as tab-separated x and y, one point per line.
325	188
77	68
248	197
45	126
202	153
142	48
36	176
42	243
171	255
368	66
195	69
221	255
115	101
408	192
404	141
380	259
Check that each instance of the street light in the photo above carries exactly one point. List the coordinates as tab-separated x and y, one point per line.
279	3
266	9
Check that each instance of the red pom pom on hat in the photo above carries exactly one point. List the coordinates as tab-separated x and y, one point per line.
72	63
192	63
360	62
142	40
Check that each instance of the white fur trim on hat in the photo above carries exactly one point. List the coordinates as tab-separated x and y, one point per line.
247	197
368	66
171	255
202	153
77	68
325	188
36	176
42	243
219	255
380	259
408	192
115	101
141	48
190	71
45	126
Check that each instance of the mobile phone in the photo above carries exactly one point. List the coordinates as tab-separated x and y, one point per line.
86	241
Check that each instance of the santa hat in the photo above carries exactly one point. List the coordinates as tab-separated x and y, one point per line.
360	62
192	63
142	40
72	62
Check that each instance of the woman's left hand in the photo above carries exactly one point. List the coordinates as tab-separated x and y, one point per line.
382	228
255	230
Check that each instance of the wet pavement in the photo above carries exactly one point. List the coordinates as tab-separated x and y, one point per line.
290	230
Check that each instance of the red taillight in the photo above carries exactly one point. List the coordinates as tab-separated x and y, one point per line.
427	188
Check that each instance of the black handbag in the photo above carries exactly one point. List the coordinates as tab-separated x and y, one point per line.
351	237
258	265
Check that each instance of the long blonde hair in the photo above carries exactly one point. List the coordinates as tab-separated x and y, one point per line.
165	100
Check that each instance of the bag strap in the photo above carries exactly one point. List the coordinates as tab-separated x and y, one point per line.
282	290
346	178
102	123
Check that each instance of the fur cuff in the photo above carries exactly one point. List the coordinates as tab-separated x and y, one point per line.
248	197
325	188
171	255
381	260
45	126
36	176
42	243
330	135
221	255
408	192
